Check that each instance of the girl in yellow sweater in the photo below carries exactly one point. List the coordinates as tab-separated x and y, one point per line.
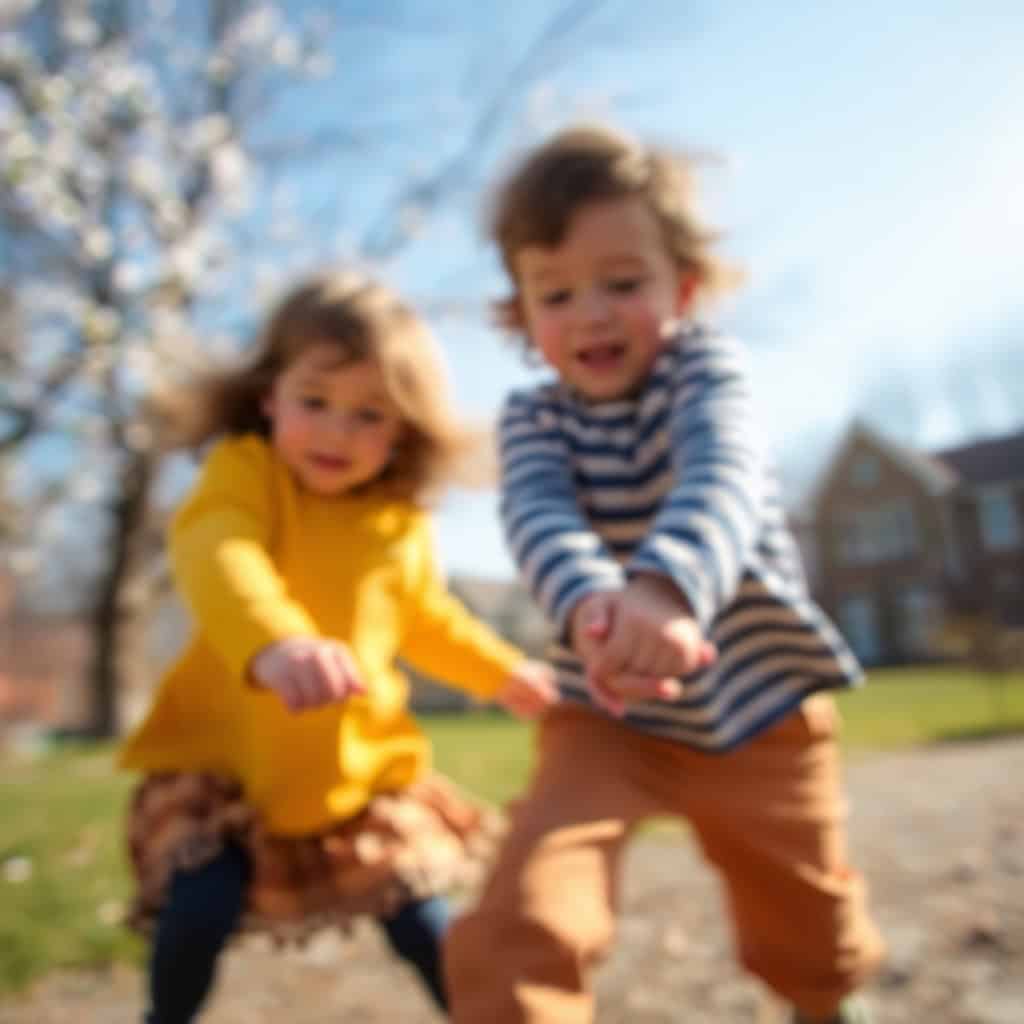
286	784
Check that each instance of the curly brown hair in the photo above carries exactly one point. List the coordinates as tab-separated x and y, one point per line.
535	203
364	320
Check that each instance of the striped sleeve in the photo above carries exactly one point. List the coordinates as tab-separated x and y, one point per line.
559	555
708	524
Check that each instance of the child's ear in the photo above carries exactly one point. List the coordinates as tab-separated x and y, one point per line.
686	292
267	405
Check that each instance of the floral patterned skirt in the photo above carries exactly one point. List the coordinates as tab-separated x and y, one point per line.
405	845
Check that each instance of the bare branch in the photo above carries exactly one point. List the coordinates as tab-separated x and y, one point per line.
28	418
386	235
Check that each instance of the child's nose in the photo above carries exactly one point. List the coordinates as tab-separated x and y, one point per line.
342	423
594	305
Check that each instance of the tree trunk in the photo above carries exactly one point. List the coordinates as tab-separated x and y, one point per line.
114	616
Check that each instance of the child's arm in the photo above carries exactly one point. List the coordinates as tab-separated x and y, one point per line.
220	560
452	645
560	557
691	562
702	537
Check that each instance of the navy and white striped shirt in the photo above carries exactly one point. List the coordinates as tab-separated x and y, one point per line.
671	481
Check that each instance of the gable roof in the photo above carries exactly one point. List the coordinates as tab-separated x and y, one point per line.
935	476
996	460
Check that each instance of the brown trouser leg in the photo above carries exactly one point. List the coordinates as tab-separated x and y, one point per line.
770	817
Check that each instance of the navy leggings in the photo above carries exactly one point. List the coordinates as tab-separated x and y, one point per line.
203	910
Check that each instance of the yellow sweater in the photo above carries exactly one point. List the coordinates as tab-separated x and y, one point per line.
256	559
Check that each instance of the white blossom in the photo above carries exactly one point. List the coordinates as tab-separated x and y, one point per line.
185	262
230	169
79	29
101	325
208	132
20	146
171	214
145	176
85	488
286	51
127	276
97	244
256	26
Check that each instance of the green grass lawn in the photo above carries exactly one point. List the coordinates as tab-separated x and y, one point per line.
60	813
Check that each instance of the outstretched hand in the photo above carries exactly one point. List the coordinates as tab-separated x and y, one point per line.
529	690
307	672
635	644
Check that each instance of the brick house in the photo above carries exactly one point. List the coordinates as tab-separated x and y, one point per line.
42	660
898	539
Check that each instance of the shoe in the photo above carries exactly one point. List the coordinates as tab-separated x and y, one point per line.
852	1011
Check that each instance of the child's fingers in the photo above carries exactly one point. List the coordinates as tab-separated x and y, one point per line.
526	705
604	697
545	688
631	688
350	682
611	659
598	620
299	691
708	655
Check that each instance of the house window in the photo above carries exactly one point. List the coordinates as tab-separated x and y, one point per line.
1000	524
883	532
898	527
858	621
919	620
857	538
865	470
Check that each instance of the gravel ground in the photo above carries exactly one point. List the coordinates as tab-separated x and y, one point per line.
939	832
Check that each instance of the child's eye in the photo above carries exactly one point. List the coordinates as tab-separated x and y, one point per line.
369	416
313	403
558	297
624	285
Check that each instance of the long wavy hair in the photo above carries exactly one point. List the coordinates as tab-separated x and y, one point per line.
365	321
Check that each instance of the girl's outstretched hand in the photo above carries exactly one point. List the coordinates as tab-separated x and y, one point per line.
307	672
529	690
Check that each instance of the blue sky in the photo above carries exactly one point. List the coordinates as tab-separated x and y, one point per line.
872	184
870	180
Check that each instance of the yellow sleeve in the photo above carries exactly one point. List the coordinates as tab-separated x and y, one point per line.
220	558
444	639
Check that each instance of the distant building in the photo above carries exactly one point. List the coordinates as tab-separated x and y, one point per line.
42	661
44	658
896	540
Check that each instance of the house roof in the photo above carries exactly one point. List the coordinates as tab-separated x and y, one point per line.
996	460
936	477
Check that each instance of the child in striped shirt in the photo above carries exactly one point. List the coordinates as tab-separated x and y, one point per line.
693	666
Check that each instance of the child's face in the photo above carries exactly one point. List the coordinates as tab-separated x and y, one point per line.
600	305
332	424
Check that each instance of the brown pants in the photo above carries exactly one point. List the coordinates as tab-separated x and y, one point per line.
770	817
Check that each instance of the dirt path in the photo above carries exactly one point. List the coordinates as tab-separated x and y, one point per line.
939	833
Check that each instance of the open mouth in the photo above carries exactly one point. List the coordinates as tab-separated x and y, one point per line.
602	357
330	463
